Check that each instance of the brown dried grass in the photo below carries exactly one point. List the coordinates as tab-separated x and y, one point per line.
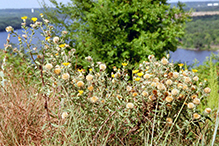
23	115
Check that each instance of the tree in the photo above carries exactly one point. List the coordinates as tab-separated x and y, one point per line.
116	30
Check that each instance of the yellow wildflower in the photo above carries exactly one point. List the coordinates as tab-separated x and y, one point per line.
80	92
66	63
140	74
194	70
24	17
62	45
181	64
137	79
90	69
34	19
80	70
57	54
124	64
47	38
113	75
135	71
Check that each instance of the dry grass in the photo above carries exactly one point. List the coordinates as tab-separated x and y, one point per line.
22	114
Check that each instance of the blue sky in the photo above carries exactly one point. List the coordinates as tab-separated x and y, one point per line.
35	3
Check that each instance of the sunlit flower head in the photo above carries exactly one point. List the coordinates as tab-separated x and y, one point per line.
195	78
196	116
187	79
56	39
156	79
147	76
49	66
164	61
57	70
190	105
90	88
169	98
94	99
175	92
64	115
161	86
102	67
169	120
185	87
24	36
129	105
144	93
80	83
89	77
89	58
62	45
150	57
64	32
207	90
128	88
9	28
169	82
196	101
208	110
175	74
134	94
65	76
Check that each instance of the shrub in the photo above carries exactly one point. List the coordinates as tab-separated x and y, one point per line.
158	106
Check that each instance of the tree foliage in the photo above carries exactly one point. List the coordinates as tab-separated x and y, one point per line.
112	31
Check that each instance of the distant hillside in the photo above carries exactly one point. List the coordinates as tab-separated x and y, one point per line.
201	6
12	17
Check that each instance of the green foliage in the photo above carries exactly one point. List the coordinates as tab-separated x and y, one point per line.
114	31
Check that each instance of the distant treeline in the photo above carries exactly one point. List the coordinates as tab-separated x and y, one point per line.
202	33
12	17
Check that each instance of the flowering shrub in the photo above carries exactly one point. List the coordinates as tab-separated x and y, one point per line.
159	103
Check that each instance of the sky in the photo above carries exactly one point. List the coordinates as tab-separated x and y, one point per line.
5	4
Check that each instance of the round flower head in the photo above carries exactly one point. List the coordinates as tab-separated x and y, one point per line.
175	74
89	77
57	70
90	88
128	88
129	105
147	76
144	93
207	90
190	105
48	66
180	85
196	101
94	99
164	61
65	76
150	57
185	87
169	98
169	82
102	66
208	110
24	36
9	28
88	58
187	79
196	116
161	86
175	92
169	120
80	83
56	39
135	94
195	78
64	115
194	96
156	79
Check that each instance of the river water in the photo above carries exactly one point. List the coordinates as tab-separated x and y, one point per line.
180	55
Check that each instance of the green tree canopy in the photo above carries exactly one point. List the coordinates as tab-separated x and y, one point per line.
116	30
